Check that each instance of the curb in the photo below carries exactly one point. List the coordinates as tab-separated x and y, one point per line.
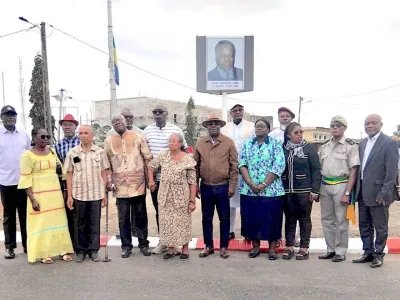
317	245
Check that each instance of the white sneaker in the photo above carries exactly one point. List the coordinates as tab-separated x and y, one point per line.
159	249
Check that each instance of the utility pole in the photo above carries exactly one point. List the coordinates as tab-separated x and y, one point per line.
60	112
46	93
300	101
22	93
4	93
113	90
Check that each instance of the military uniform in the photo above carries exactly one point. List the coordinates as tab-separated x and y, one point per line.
336	159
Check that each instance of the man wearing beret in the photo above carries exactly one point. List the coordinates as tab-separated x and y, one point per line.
339	164
13	142
239	131
285	117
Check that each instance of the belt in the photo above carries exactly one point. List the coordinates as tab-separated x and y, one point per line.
334	180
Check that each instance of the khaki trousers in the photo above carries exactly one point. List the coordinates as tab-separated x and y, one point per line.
333	218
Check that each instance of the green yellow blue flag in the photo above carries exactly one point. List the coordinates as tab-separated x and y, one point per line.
116	70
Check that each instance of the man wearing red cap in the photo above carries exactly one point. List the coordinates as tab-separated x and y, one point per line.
285	117
239	131
70	140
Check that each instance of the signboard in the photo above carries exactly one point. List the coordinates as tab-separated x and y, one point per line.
225	64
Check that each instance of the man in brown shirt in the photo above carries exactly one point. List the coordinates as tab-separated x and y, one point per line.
129	154
86	166
217	167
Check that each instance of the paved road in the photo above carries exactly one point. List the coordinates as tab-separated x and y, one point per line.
144	278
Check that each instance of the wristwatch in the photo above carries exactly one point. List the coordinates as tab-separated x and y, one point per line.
347	193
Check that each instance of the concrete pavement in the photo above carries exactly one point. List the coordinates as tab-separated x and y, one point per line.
239	277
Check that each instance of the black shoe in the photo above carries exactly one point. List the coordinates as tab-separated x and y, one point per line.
328	255
80	257
25	251
363	259
168	256
377	262
9	254
184	256
118	236
206	252
95	257
145	251
126	253
254	252
272	255
339	258
231	236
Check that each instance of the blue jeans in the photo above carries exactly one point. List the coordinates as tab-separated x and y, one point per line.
211	197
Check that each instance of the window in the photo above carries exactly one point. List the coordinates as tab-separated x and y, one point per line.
315	136
175	117
320	137
325	137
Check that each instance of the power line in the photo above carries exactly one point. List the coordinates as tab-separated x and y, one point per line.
11	33
159	76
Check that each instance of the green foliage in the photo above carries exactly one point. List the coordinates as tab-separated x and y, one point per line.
36	96
397	132
191	133
100	133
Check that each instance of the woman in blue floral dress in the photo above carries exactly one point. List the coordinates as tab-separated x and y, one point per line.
261	164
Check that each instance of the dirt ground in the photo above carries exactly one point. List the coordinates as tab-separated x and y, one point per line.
394	221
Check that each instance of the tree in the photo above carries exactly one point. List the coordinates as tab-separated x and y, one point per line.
36	96
397	132
100	133
190	131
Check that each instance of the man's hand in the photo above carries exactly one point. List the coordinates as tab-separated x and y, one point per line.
111	187
70	203
231	193
314	197
104	201
382	202
345	200
152	186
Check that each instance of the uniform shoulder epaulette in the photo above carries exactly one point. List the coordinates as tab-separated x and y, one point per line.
350	141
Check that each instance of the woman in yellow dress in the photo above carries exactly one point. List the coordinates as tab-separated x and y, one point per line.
47	226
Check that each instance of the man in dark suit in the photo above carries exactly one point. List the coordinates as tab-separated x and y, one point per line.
225	70
376	189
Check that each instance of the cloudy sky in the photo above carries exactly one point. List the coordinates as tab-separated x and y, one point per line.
319	49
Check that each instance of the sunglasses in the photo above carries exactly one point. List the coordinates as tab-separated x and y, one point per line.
158	112
44	136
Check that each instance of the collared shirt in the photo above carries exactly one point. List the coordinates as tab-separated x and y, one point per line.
134	128
217	163
278	134
87	183
226	75
12	146
368	148
337	158
239	133
261	160
128	155
157	139
63	146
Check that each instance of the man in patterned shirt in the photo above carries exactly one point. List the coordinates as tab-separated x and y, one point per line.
129	155
86	166
70	140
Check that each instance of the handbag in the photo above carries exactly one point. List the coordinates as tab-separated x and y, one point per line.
59	170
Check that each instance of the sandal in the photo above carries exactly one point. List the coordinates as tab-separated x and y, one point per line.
46	261
66	257
287	254
272	255
301	255
168	256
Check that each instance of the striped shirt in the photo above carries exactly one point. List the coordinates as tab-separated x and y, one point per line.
63	146
157	139
87	184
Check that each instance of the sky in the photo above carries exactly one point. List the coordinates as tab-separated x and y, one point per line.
321	50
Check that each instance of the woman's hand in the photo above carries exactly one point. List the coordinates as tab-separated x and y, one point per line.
261	186
254	188
70	203
192	206
35	205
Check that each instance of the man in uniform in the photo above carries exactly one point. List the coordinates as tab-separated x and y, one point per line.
239	131
339	165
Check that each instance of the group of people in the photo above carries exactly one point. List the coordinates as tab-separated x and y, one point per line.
267	174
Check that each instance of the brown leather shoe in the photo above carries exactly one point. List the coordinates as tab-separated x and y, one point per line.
224	253
206	252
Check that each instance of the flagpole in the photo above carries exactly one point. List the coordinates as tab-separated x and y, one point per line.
113	91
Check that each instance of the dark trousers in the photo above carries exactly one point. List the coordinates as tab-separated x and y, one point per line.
211	197
125	206
370	218
154	198
13	200
297	207
71	223
87	229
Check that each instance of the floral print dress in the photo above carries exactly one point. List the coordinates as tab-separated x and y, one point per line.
174	198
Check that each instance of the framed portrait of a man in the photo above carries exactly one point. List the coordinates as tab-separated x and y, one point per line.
225	63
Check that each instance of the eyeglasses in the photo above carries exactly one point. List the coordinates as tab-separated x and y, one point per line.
214	123
298	132
128	117
260	126
158	112
44	136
